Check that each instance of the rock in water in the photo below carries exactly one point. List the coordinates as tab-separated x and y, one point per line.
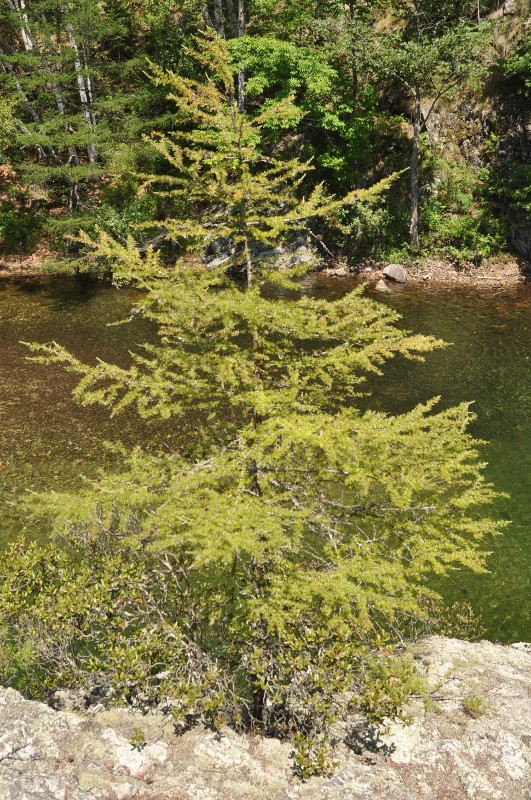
381	286
395	273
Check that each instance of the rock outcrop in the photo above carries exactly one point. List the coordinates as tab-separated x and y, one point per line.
472	741
297	252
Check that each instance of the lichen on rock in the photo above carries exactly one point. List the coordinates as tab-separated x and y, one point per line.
56	755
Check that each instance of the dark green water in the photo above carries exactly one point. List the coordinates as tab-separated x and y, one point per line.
46	441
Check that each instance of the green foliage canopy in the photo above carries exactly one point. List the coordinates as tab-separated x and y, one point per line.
232	188
303	529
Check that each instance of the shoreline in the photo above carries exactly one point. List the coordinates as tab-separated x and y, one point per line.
506	271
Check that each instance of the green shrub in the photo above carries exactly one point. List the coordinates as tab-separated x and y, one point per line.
467	239
387	681
19	229
457	218
475	705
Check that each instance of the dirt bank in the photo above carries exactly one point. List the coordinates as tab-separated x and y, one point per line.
24	266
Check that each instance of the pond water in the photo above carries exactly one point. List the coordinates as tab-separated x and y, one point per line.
46	441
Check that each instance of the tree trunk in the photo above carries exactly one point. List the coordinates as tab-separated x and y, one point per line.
206	16
354	66
83	91
218	17
257	710
248	265
31	45
74	198
414	224
233	17
237	27
241	73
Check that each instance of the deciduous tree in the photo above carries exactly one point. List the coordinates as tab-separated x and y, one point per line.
437	48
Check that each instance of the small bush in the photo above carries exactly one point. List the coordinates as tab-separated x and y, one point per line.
475	706
19	229
311	756
467	240
388	680
457	219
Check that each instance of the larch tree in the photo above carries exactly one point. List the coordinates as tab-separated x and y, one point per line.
245	575
230	186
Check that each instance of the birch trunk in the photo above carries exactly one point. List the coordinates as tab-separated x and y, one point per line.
414	224
20	91
31	45
86	62
88	114
241	72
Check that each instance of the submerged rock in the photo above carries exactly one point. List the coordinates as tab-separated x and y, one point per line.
473	741
395	272
381	286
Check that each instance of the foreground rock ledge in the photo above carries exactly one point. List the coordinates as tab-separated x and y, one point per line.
446	753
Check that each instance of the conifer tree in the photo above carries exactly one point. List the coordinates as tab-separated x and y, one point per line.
244	575
232	188
291	532
53	57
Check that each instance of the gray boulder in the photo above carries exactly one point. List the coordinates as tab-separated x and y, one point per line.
395	272
222	250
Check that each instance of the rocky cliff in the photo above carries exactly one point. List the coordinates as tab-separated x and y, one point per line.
473	740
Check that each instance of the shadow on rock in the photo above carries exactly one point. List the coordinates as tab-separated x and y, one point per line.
367	738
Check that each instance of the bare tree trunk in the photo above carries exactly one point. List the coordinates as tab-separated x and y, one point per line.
241	73
27	38
245	239
233	17
237	27
414	224
218	17
74	198
88	114
248	265
206	15
73	157
86	62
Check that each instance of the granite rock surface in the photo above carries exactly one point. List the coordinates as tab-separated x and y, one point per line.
473	740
